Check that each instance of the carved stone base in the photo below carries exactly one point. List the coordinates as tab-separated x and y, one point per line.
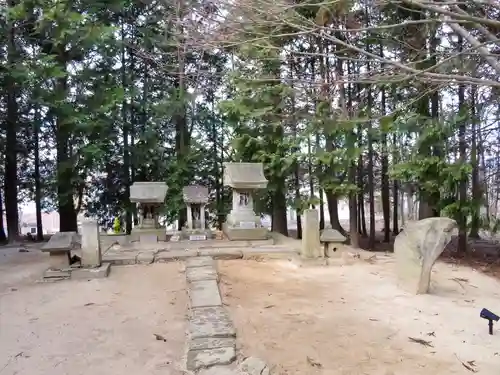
196	234
137	233
245	234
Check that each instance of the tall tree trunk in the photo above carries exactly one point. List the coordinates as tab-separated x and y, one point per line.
38	182
181	126
361	188
320	193
65	191
296	171
462	189
3	237
395	195
126	147
279	219
386	204
477	193
10	178
371	194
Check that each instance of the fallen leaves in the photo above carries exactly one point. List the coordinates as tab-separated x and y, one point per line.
313	363
421	342
160	337
469	365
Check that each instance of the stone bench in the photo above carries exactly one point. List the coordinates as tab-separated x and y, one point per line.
331	239
59	248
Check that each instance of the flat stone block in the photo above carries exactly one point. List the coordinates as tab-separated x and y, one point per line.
201	273
210	322
200	262
120	259
253	366
146	257
204	293
173	255
57	274
59	260
222	254
268	242
212	343
91	273
269	250
245	234
218	370
198	359
148	238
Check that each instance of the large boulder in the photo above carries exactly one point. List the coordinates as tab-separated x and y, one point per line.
417	249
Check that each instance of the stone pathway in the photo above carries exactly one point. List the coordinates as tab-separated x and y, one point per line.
212	336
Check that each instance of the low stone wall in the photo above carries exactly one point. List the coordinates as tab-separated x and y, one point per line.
109	239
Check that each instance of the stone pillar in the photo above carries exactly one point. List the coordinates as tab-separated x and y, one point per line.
311	246
91	247
189	217
202	216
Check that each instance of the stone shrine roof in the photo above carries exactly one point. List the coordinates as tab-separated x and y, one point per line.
195	194
245	175
148	192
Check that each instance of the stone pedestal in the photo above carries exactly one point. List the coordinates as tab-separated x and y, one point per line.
311	246
91	248
242	223
59	260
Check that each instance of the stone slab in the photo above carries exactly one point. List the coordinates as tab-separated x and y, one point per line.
269	250
210	322
253	366
200	262
197	237
145	257
148	238
120	259
91	273
201	273
198	359
222	254
48	274
204	293
218	370
212	343
61	242
240	234
173	255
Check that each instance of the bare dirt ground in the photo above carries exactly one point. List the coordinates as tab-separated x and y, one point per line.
354	319
95	327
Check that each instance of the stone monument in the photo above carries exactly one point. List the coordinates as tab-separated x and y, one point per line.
195	197
149	197
417	248
242	223
310	245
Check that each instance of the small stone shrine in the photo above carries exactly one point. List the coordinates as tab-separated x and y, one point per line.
149	197
195	197
242	223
